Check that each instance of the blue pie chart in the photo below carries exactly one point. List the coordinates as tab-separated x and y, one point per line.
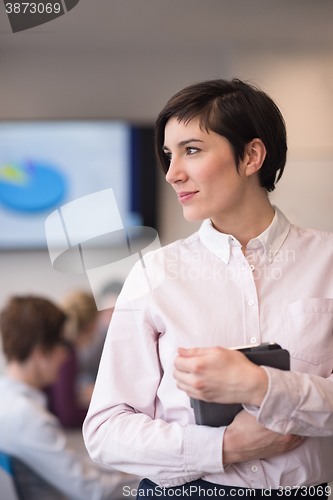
31	186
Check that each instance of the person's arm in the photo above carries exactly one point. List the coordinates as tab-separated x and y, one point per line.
283	401
298	403
125	426
226	376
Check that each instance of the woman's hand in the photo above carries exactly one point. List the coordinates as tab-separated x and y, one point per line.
225	376
246	439
220	375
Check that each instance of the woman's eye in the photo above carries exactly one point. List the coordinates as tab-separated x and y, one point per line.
167	155
192	151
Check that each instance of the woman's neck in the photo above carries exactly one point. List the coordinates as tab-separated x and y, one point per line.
248	220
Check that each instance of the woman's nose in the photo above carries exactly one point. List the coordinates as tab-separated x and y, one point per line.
176	172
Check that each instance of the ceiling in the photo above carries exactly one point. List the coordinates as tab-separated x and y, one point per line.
158	25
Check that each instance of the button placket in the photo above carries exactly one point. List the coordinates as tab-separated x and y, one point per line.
256	474
252	260
252	326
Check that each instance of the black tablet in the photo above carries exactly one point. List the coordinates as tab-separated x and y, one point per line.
218	414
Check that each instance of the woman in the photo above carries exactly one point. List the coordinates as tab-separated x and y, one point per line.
222	146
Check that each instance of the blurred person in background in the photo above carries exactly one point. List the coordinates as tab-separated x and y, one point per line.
81	306
45	468
70	395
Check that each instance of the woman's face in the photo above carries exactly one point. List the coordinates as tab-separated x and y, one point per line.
203	172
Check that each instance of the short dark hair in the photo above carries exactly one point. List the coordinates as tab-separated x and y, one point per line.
27	322
235	110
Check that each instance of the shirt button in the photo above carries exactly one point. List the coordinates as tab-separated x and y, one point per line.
254	468
253	340
270	255
251	302
252	267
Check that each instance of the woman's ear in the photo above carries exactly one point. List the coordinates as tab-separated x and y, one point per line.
255	154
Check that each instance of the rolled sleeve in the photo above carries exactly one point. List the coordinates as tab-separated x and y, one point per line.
296	403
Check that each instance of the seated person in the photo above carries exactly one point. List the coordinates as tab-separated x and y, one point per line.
87	334
69	396
32	338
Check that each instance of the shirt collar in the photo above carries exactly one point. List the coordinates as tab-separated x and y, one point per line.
271	239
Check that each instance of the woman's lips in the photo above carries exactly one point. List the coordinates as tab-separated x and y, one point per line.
184	196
